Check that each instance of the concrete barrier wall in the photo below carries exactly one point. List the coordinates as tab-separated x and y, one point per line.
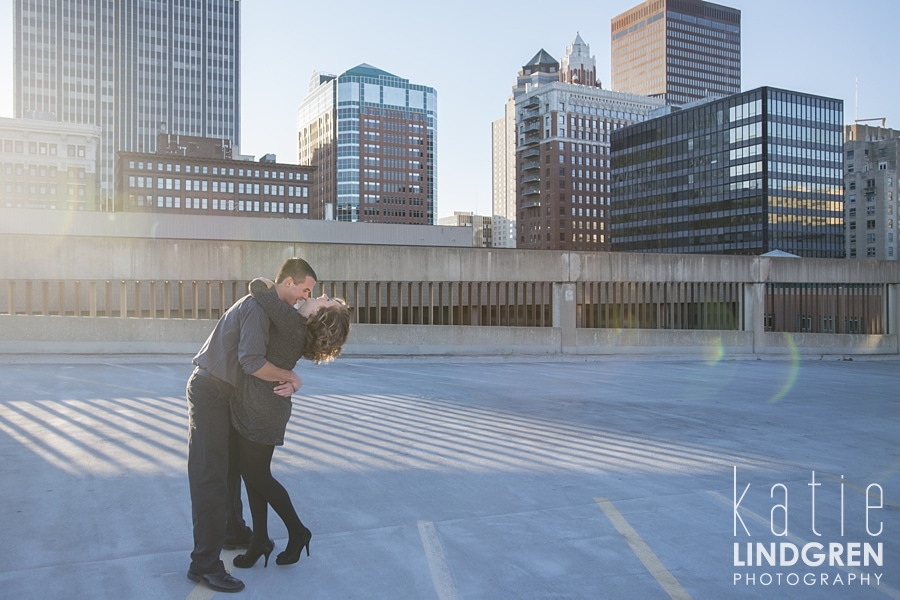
710	344
66	257
121	247
104	335
829	343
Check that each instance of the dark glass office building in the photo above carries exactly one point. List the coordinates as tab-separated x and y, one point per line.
746	174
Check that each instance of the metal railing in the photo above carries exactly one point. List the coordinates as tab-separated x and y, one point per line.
194	299
660	305
486	303
826	308
789	307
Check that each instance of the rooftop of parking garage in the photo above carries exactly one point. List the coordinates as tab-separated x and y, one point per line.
465	478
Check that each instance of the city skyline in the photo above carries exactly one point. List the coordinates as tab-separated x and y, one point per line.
472	64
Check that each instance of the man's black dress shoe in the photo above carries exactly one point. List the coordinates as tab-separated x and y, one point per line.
220	582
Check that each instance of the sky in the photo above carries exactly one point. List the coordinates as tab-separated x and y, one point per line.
470	52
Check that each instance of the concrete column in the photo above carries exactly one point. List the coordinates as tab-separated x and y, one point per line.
564	315
892	308
755	314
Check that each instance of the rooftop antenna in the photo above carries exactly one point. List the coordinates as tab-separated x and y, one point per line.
856	118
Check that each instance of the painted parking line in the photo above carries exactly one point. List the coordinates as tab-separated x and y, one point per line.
200	592
640	548
437	562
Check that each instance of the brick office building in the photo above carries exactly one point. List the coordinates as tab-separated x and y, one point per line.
193	175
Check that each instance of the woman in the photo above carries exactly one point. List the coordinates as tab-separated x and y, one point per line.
315	331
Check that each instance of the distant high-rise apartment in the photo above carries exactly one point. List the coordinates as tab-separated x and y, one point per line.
747	174
371	136
562	155
541	69
678	50
131	68
871	156
503	178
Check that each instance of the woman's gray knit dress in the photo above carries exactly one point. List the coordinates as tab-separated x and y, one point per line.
257	412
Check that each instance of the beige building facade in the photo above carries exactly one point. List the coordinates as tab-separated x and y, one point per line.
47	164
480	225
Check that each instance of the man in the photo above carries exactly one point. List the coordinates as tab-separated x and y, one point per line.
237	344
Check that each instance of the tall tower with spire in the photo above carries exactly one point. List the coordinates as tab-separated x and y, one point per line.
540	70
561	171
578	66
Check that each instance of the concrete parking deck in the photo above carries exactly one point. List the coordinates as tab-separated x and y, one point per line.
473	479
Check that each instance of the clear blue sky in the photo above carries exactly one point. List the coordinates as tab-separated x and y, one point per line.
470	53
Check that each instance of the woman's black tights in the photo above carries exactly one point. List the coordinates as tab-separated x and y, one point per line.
262	490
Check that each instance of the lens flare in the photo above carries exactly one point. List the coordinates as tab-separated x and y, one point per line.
715	352
793	370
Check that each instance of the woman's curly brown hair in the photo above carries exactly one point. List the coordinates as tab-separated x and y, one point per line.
326	332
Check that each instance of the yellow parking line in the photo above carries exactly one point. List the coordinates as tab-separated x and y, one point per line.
662	575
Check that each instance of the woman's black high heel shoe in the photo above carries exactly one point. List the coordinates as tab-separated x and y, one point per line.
249	558
291	554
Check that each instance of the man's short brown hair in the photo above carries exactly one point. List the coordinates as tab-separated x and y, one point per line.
297	269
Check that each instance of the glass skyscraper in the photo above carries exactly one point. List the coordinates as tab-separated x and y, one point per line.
372	137
678	50
134	68
746	174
